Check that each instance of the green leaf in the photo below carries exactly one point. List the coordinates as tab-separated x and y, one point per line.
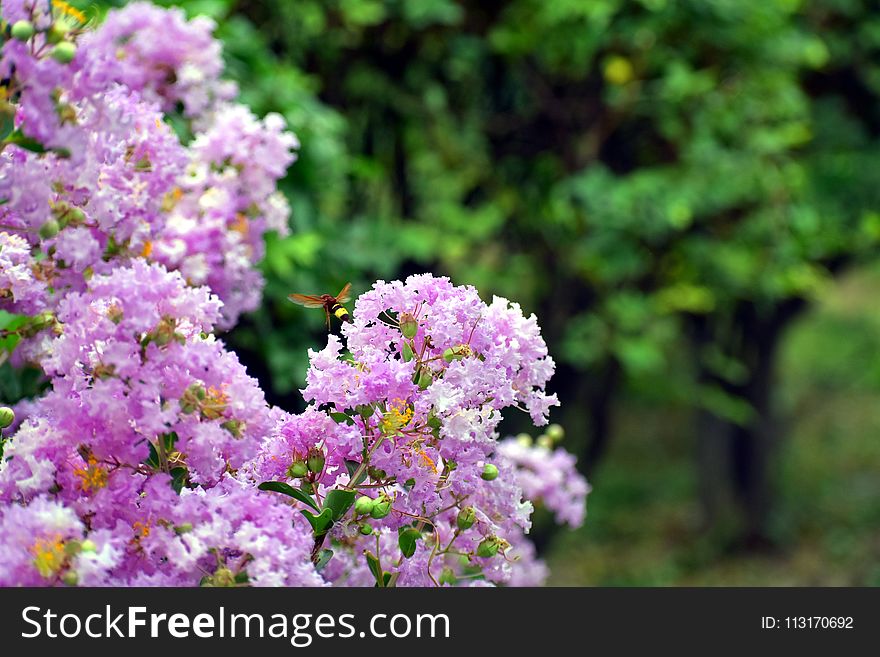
339	502
375	568
342	417
178	479
407	352
23	141
153	459
323	557
407	540
287	489
320	523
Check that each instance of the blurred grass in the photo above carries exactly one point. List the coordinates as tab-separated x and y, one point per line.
643	523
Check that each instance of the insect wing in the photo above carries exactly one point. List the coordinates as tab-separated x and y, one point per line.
344	296
307	300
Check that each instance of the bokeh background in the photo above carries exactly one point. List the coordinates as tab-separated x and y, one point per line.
686	193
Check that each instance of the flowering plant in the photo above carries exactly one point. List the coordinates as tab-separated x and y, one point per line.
153	458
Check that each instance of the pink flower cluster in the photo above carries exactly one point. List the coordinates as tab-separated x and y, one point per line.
153	458
92	176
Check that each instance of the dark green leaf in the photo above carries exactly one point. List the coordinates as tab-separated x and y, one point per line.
287	489
339	502
178	479
407	540
320	523
342	417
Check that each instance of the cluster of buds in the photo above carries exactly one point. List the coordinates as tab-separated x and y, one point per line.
59	34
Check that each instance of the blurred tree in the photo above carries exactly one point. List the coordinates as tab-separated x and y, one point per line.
665	182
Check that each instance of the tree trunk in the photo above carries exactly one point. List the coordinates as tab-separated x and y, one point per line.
736	461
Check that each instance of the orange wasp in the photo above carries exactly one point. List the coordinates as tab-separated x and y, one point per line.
328	302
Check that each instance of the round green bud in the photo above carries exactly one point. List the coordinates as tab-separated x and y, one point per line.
22	30
297	470
524	439
425	378
490	472
555	432
408	325
56	33
366	529
7	417
488	547
315	460
70	578
64	52
466	518
364	505
88	545
49	229
381	508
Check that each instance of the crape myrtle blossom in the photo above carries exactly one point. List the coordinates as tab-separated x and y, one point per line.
139	439
548	476
404	420
151	458
226	201
92	175
161	54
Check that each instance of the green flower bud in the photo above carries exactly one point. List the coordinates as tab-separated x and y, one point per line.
7	417
64	52
88	545
466	518
555	433
49	229
297	470
22	30
366	529
524	439
425	378
56	33
315	460
223	577
70	578
408	325
364	505
381	508
490	472
185	528
488	547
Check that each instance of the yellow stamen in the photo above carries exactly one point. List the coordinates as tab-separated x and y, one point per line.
48	555
93	477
